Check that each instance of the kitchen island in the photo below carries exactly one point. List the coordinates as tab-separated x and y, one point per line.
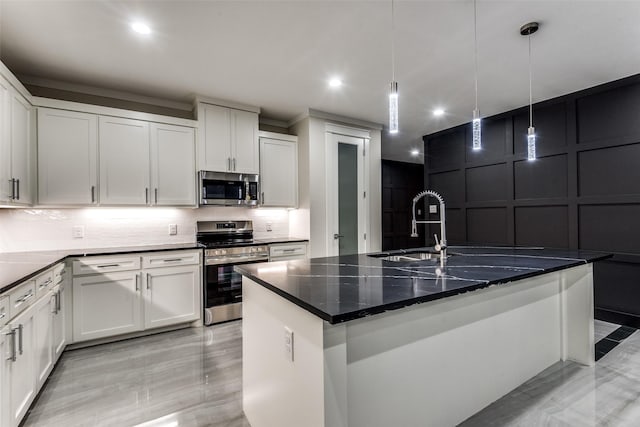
382	339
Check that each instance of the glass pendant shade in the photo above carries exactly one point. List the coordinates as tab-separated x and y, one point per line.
393	108
476	130
531	144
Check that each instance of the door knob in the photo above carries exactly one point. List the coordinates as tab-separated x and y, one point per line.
337	236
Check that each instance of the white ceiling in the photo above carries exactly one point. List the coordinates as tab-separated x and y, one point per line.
279	54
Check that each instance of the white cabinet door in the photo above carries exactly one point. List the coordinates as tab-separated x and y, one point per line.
215	144
173	173
245	142
279	172
21	375
5	351
124	161
43	347
172	295
6	182
59	329
106	305
20	114
67	157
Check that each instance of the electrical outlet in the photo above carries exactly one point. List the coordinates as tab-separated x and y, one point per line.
288	344
269	228
77	231
173	229
433	209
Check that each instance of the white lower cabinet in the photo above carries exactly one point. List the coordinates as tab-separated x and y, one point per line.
138	299
105	305
43	352
58	324
4	362
20	365
172	295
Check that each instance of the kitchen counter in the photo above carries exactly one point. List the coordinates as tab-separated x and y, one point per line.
361	341
15	267
343	288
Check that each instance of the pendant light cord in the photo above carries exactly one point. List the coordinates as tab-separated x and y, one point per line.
530	96
475	47
393	44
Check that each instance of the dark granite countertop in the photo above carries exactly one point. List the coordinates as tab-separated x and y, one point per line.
281	240
16	267
343	288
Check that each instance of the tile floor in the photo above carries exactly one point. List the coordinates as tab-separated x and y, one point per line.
192	377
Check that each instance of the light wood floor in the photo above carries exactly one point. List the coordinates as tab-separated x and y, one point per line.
192	377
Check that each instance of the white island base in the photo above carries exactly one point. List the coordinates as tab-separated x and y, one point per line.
430	364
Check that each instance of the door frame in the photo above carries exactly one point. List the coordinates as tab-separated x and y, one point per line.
333	134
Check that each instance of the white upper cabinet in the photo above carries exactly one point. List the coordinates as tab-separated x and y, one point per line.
279	170
15	146
67	157
229	140
124	161
245	142
215	152
173	173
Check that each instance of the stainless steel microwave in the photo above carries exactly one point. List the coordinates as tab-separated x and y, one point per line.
228	189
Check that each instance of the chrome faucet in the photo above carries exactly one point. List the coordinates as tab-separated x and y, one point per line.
441	246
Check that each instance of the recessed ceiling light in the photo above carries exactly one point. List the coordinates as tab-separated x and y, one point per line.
140	27
335	82
438	112
415	152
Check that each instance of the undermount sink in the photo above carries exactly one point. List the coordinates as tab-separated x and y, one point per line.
409	256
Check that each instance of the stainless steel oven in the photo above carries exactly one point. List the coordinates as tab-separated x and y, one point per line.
228	189
227	244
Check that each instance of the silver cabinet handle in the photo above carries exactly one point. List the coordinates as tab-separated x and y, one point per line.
337	236
289	250
146	195
262	200
3	315
20	339
137	284
234	164
17	189
156	191
13	345
58	301
229	163
172	260
13	188
54	309
93	194
148	284
24	298
107	265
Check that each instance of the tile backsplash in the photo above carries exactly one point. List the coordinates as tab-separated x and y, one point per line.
51	229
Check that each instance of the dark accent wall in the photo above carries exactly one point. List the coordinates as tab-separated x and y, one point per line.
583	191
400	183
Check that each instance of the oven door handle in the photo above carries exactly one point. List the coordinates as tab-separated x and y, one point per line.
234	260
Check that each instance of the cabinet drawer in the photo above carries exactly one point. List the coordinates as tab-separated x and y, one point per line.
97	265
4	311
58	273
168	259
288	250
43	283
21	297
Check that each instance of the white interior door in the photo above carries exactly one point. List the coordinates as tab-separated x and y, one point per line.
346	194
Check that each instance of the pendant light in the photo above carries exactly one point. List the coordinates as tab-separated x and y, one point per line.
527	30
393	91
475	124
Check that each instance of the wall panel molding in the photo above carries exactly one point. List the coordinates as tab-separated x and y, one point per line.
583	191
